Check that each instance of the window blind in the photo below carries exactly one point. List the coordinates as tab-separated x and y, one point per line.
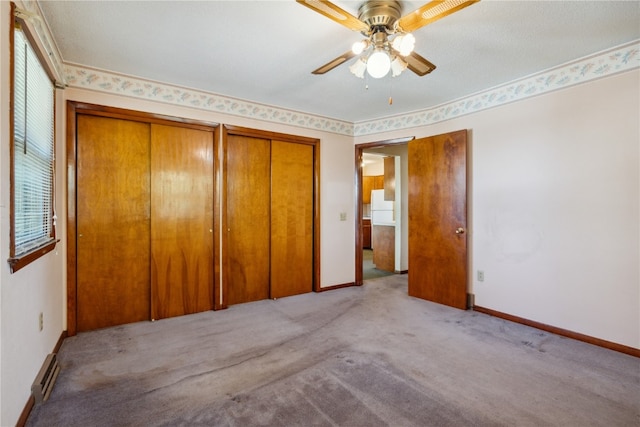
33	154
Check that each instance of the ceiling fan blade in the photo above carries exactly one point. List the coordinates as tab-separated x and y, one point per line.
431	12
334	63
335	13
418	64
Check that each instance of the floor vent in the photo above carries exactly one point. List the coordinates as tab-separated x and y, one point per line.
42	386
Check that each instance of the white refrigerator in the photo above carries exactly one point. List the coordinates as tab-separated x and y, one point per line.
381	210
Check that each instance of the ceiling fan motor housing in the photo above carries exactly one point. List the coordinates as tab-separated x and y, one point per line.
378	14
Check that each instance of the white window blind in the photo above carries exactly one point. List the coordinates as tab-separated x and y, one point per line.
33	155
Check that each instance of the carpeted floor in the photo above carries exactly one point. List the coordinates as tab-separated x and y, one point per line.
361	356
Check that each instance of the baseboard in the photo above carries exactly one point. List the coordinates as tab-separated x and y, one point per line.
22	421
63	336
331	288
28	407
401	271
559	331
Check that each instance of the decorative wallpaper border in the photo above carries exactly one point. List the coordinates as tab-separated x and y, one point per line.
109	82
602	64
616	60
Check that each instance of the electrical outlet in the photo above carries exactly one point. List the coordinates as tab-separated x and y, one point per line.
41	321
480	276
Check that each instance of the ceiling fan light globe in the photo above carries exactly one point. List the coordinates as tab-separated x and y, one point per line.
358	68
359	47
404	43
378	64
398	66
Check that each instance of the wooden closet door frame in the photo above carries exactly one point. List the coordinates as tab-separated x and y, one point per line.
74	109
227	130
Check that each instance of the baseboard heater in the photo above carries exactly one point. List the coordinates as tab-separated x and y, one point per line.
42	386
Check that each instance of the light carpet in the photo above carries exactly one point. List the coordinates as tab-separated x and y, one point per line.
361	356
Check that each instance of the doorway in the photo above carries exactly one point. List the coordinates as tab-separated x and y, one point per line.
370	176
434	213
382	211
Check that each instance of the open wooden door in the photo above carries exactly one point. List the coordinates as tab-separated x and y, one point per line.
438	219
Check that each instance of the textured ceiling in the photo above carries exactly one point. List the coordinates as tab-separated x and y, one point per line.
264	51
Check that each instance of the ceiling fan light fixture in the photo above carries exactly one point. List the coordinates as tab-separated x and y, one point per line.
404	43
398	65
378	64
358	68
359	46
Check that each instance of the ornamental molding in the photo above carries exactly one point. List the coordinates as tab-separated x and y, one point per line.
120	84
602	64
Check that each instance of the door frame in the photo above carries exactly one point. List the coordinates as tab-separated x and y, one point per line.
359	150
222	260
74	108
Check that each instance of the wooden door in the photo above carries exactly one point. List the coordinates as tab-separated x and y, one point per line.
291	218
248	206
112	217
181	221
438	219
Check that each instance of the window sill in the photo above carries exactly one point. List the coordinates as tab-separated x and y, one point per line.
16	263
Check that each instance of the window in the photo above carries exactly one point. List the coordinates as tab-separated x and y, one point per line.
32	155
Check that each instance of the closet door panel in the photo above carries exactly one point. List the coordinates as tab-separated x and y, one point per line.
247	218
181	221
112	209
291	218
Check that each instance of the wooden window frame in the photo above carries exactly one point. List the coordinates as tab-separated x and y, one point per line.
17	262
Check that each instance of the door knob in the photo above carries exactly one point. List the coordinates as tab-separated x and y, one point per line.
459	230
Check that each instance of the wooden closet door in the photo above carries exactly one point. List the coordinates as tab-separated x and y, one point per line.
181	221
112	222
247	169
291	219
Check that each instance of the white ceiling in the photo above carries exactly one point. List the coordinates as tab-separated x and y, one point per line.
264	51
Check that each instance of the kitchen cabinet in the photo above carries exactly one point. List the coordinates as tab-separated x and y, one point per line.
371	182
389	178
366	233
383	240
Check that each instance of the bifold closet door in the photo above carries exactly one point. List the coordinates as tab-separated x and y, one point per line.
291	218
112	218
181	221
247	211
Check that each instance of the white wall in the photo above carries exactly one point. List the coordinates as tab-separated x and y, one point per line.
554	216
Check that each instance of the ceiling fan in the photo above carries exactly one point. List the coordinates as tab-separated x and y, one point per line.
389	44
